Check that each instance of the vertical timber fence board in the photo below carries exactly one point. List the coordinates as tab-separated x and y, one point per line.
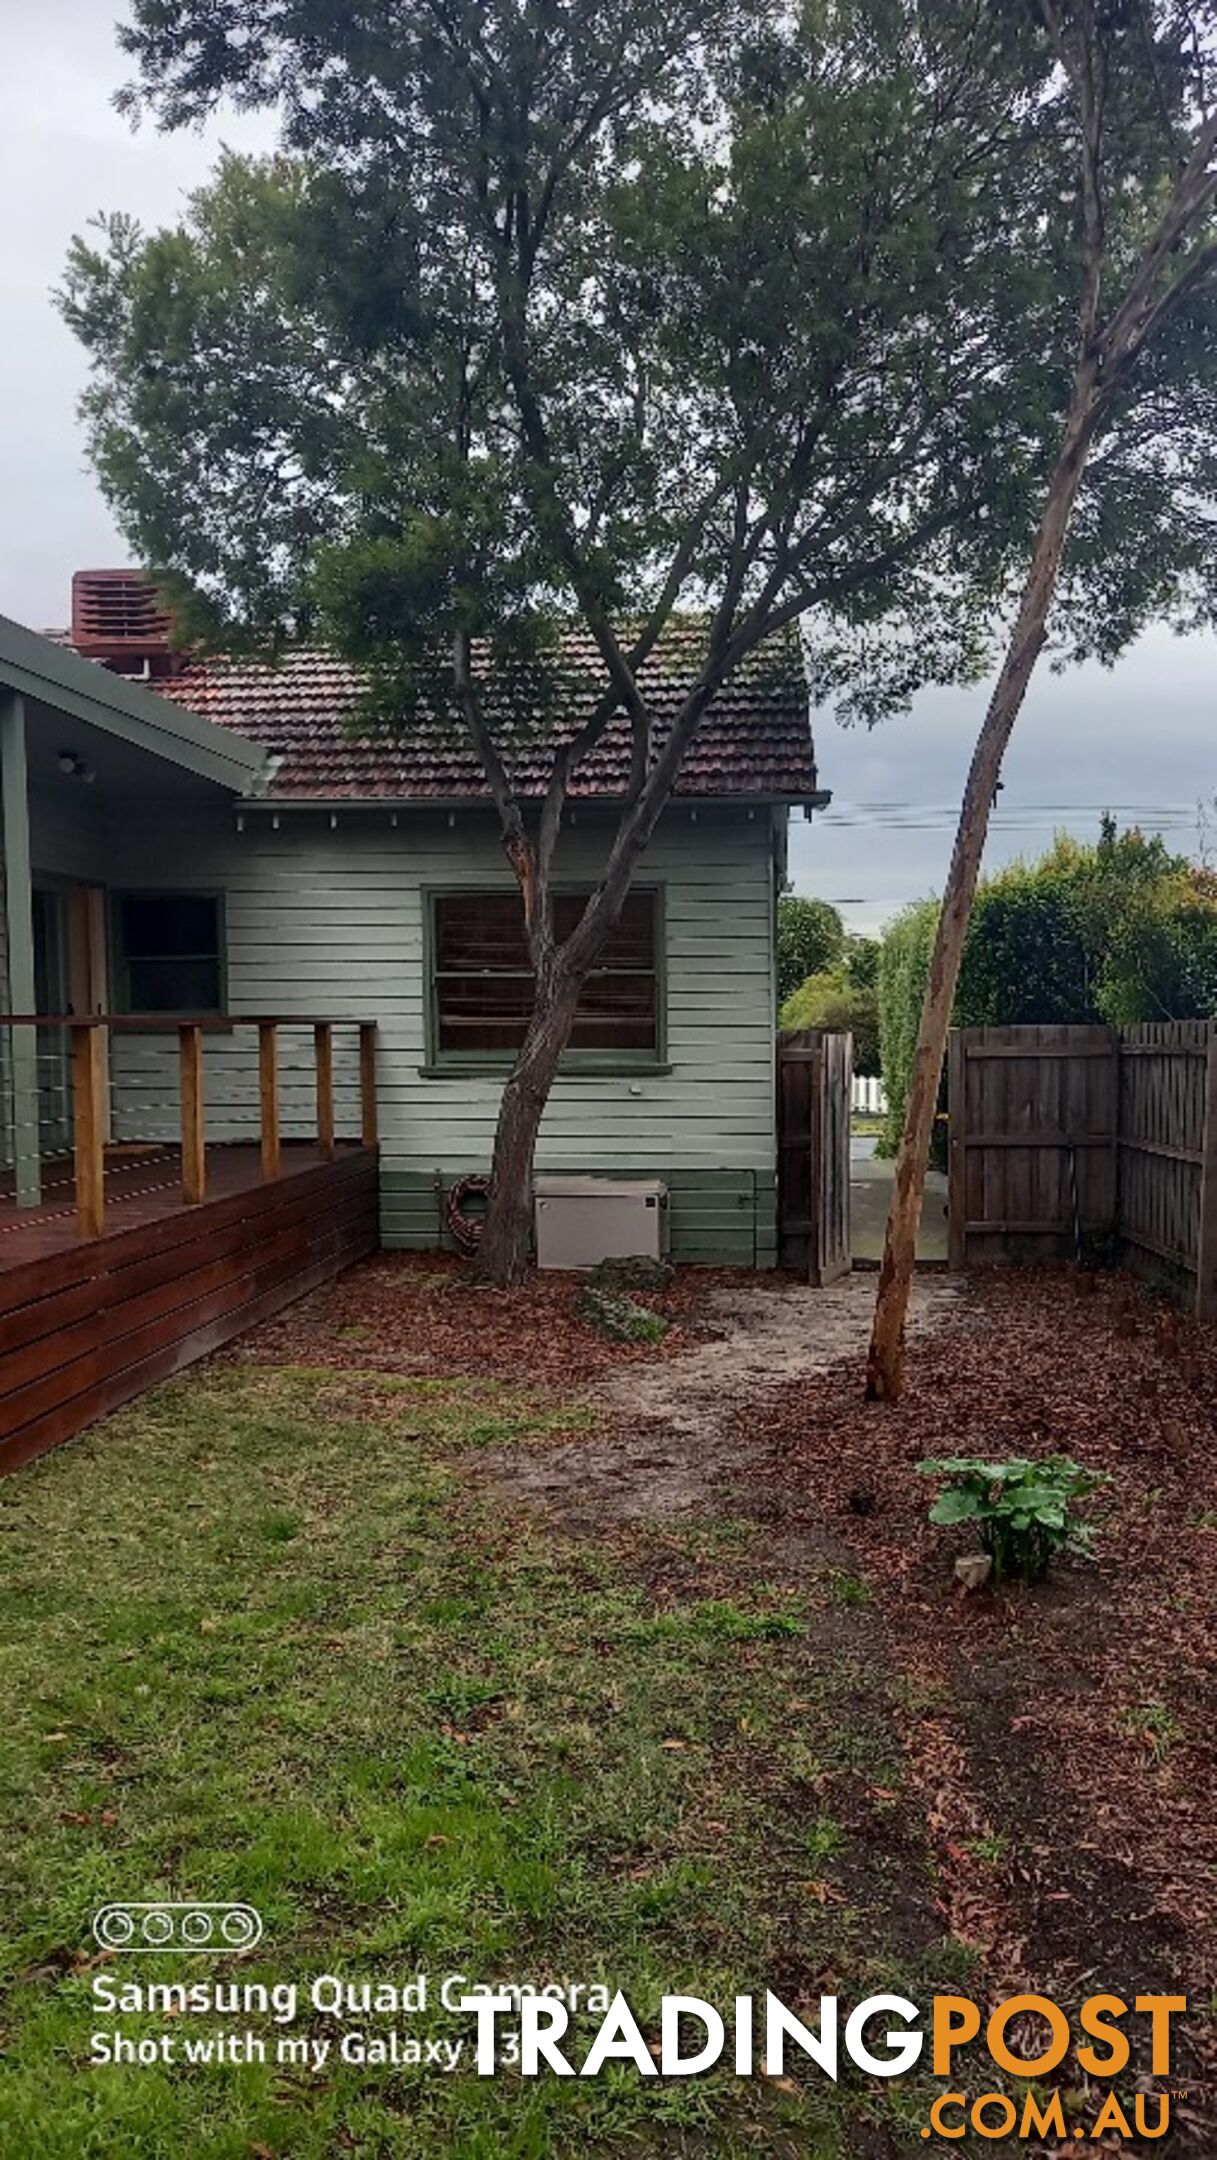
1165	1126
957	1214
797	1062
831	1196
1206	1263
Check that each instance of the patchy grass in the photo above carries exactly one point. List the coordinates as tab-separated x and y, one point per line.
264	1638
282	1634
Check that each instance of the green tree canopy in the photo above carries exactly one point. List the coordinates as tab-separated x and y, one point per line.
904	963
1042	937
1160	961
811	937
862	961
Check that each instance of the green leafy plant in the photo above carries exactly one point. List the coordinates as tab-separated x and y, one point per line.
1023	1510
1154	1725
1118	930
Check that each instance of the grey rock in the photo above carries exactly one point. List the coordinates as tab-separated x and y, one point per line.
974	1570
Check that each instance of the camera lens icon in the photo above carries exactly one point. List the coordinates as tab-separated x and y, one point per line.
176	1924
113	1928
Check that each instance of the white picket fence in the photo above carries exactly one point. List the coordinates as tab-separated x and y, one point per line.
868	1096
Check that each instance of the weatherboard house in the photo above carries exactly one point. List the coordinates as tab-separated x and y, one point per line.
192	847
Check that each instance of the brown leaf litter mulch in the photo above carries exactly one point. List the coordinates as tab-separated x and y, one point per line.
1063	1737
425	1314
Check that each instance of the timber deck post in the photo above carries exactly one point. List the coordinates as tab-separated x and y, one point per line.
323	1058
369	1126
19	914
89	1112
194	1144
268	1096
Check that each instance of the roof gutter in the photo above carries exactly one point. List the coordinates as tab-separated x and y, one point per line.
819	800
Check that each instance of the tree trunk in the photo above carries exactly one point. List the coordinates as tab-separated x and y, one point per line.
506	1248
885	1362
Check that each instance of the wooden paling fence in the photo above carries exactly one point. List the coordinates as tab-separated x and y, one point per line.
1168	1151
1064	1137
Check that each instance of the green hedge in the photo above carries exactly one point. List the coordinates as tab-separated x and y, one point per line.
1120	931
904	965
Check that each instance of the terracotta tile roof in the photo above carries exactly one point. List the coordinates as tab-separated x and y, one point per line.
755	740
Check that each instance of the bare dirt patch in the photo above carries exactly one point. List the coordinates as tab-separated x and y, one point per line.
670	1431
665	1424
763	1335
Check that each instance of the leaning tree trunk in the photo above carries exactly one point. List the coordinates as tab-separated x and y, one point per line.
506	1247
885	1363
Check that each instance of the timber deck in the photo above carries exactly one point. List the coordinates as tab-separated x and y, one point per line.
88	1323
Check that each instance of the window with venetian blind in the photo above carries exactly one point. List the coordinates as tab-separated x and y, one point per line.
482	985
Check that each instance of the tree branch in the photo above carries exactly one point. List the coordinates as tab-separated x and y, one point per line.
516	844
1129	329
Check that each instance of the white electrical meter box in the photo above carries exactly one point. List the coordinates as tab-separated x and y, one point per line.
582	1220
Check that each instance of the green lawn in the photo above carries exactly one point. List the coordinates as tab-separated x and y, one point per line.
864	1126
268	1635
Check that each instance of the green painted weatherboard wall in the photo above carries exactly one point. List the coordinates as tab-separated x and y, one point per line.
725	1218
330	917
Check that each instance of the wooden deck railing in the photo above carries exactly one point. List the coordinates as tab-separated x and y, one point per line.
89	1039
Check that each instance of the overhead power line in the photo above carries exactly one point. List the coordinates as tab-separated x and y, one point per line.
1011	817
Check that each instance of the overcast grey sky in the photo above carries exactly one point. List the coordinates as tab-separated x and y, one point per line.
1141	739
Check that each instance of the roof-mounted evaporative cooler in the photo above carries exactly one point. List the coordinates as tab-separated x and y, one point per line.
583	1220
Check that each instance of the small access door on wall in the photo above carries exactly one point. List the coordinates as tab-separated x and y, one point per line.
815	1071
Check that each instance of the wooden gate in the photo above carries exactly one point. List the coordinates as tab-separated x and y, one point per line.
815	1070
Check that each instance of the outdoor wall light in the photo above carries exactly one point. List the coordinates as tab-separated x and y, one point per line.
76	768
